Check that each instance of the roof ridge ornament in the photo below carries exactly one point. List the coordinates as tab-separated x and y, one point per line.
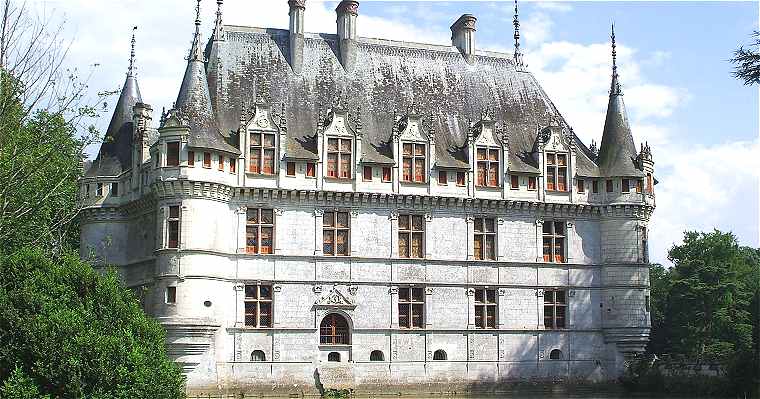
218	26
518	56
132	68
196	50
615	85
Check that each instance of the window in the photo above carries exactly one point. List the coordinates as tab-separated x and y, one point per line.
555	307
207	160
233	163
625	185
609	186
115	189
555	354
413	161
639	184
173	226
440	354
554	241
258	305
99	189
645	244
376	356
460	179
262	153
335	233
443	179
259	231
650	183
411	234
531	182
87	191
581	186
488	167
485	308
595	186
386	174
646	303
221	162
171	295
485	239
411	305
514	182
334	331
333	357
367	175
258	356
172	154
339	158
310	169
556	172
191	158
291	169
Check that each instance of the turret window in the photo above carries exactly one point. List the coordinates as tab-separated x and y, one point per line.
531	183
259	231
221	162
339	158
262	153
172	154
625	185
461	179
488	167
207	160
232	164
556	172
554	241
639	183
173	227
413	160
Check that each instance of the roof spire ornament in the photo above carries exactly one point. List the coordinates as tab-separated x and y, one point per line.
131	70
615	85
218	26
518	57
196	51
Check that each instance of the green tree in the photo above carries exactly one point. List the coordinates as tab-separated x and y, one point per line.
659	282
67	331
747	62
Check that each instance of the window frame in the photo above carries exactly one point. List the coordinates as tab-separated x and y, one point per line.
581	186
532	183
410	232
486	299
172	153
365	169
220	160
410	302
625	185
311	169
387	177
443	178
261	150
339	152
191	158
554	305
338	334
170	295
173	226
260	226
114	189
556	172
609	186
553	236
207	160
514	182
484	179
334	229
482	234
461	177
290	169
258	300
233	165
413	158
595	186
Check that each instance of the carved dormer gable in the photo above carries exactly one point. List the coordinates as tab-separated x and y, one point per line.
337	123
485	133
335	299
262	119
554	138
411	129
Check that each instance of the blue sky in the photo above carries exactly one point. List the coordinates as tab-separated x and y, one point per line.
681	98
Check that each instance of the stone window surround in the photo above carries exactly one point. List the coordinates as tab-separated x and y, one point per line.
239	289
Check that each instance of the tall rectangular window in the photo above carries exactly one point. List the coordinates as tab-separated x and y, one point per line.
413	162
443	178
556	172
115	189
650	183
191	158
595	186
581	186
173	226
625	185
207	160
311	169
555	309
172	154
87	191
411	236
99	189
488	167
639	184
291	169
532	183
485	308
171	295
335	233
258	306
233	163
461	179
221	162
411	307
609	186
262	153
554	241
386	174
514	182
339	158
259	231
485	238
367	173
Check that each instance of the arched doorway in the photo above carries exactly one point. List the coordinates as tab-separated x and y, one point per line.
334	330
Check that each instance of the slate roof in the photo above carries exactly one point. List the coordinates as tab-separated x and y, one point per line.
115	155
388	76
617	152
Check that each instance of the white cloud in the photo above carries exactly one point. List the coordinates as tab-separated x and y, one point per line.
554	6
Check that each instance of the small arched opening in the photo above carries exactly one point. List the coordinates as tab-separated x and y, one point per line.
440	354
334	330
376	356
258	356
555	354
333	357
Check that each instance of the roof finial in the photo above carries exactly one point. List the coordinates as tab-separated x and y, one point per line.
518	57
196	51
218	30
131	70
615	85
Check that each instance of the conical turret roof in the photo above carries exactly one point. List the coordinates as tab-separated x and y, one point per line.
617	153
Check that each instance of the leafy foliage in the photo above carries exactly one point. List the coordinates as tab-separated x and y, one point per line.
67	331
747	62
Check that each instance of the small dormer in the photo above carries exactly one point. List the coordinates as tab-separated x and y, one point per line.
412	150
339	142
172	137
555	150
261	141
488	151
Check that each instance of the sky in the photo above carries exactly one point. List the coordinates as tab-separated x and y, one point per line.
701	123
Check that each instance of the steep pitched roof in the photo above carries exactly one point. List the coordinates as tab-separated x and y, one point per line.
387	76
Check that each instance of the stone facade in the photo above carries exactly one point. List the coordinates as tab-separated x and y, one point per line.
175	226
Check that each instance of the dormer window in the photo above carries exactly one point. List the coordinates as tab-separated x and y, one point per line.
488	167
556	172
172	154
262	153
413	161
339	158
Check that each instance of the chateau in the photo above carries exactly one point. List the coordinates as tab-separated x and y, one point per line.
331	211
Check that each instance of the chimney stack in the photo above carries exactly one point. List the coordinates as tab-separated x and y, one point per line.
297	10
347	12
463	36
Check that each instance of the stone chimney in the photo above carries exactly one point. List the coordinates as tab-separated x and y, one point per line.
297	10
347	12
463	36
